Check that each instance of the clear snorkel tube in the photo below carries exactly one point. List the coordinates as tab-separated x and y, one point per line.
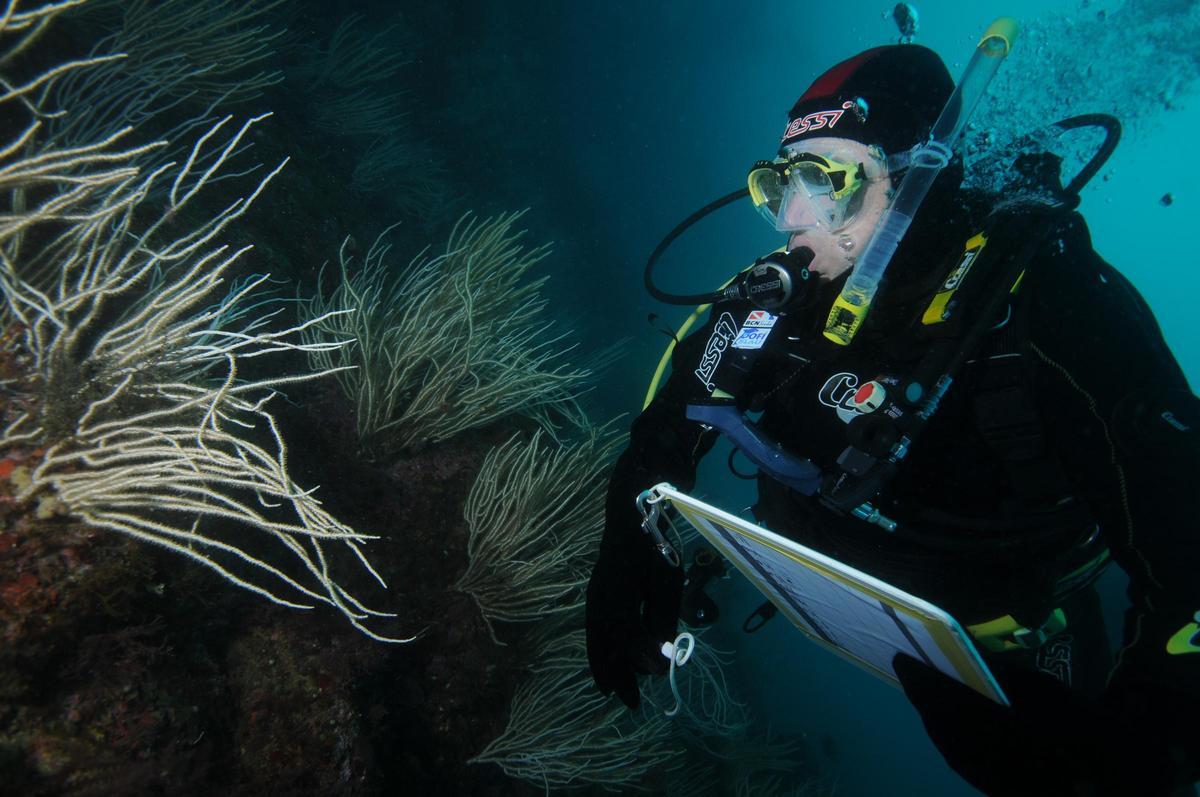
850	308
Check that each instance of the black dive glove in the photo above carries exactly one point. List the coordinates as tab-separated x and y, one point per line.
633	601
1050	741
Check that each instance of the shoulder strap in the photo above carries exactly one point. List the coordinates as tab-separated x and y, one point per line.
879	441
1005	412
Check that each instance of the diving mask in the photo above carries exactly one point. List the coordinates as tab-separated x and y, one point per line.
818	184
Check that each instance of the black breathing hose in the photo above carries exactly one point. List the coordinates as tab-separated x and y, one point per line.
694	299
1112	131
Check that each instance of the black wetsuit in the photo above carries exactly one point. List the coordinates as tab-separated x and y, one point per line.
1071	433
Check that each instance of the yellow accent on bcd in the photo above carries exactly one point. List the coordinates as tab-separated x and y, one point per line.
1185	640
938	311
1005	633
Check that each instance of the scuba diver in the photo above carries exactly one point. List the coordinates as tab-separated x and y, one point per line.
999	423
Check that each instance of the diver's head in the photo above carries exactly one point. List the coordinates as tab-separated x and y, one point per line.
842	147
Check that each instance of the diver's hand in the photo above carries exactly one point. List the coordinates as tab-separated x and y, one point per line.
633	602
1050	741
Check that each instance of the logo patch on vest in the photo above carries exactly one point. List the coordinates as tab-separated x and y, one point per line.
939	308
1054	658
1179	425
751	338
852	397
722	335
760	319
838	392
755	330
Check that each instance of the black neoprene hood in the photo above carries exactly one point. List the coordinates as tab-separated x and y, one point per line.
889	96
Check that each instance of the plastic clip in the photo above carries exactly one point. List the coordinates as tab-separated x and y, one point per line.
759	617
648	505
873	516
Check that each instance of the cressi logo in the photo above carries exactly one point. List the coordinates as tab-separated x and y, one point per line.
766	286
956	276
1179	425
724	331
816	121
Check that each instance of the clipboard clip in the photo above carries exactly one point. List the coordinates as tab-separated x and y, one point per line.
759	617
648	503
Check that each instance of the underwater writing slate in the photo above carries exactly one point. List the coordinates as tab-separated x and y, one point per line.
857	616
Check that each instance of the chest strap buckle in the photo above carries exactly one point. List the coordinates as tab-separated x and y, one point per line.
1005	633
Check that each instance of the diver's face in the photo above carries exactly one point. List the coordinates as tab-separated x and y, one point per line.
836	227
835	252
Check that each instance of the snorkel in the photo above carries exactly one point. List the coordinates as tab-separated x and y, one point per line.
850	308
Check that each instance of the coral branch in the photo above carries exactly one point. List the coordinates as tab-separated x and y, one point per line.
563	732
454	343
535	514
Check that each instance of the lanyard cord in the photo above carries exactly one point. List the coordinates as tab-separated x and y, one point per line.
679	654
